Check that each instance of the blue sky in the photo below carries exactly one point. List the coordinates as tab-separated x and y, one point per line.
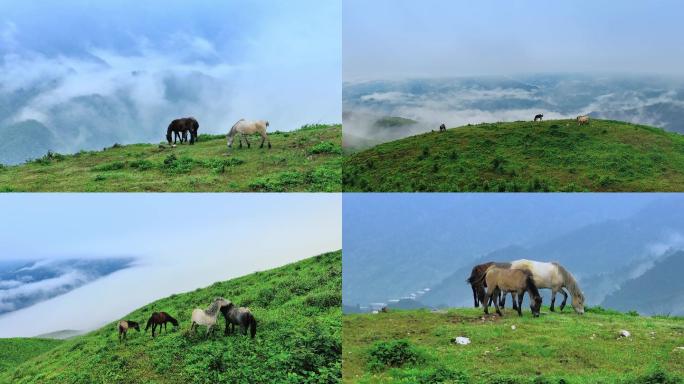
441	38
155	60
180	242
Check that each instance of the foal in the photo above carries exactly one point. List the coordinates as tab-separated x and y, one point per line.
123	328
160	319
515	281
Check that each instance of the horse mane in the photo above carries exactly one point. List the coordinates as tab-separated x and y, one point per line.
529	281
570	282
213	308
232	129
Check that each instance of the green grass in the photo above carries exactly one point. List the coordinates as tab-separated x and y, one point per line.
298	338
308	159
17	350
554	155
416	347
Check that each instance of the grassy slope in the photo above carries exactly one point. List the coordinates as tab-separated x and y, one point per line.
17	350
298	337
308	159
555	155
577	349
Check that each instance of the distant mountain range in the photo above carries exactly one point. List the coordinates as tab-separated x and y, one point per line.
650	100
23	284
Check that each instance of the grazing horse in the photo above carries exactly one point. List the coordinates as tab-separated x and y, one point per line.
239	316
160	319
442	128
207	316
123	328
245	128
515	281
180	128
555	277
478	284
581	120
538	117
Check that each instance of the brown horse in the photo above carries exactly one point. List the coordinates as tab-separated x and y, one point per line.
160	319
442	128
515	281
180	129
124	325
478	284
539	117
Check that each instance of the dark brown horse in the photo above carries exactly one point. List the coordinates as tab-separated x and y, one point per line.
124	325
160	319
180	129
478	284
539	117
442	128
238	316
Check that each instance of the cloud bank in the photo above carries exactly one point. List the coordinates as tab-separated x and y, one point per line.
89	90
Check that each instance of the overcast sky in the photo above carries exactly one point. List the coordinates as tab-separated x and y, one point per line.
441	38
181	242
278	61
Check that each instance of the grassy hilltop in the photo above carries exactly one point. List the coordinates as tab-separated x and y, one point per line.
415	347
308	159
554	155
298	338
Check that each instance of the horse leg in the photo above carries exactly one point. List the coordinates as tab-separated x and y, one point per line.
487	301
520	300
553	300
249	145
514	297
497	292
475	298
565	298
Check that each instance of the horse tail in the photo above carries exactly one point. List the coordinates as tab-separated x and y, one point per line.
252	325
168	133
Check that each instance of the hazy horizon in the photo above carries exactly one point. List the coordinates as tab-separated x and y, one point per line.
402	39
180	242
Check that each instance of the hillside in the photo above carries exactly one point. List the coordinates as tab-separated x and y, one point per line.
554	155
417	347
298	338
308	159
15	351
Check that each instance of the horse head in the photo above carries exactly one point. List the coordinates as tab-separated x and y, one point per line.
535	305
578	303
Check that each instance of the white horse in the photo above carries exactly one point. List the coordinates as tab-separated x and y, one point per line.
555	277
581	120
207	316
244	128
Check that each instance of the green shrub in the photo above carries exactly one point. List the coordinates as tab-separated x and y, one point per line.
114	166
395	353
141	165
325	147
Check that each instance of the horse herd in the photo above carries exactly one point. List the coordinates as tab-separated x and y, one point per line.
233	315
179	129
518	277
581	120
